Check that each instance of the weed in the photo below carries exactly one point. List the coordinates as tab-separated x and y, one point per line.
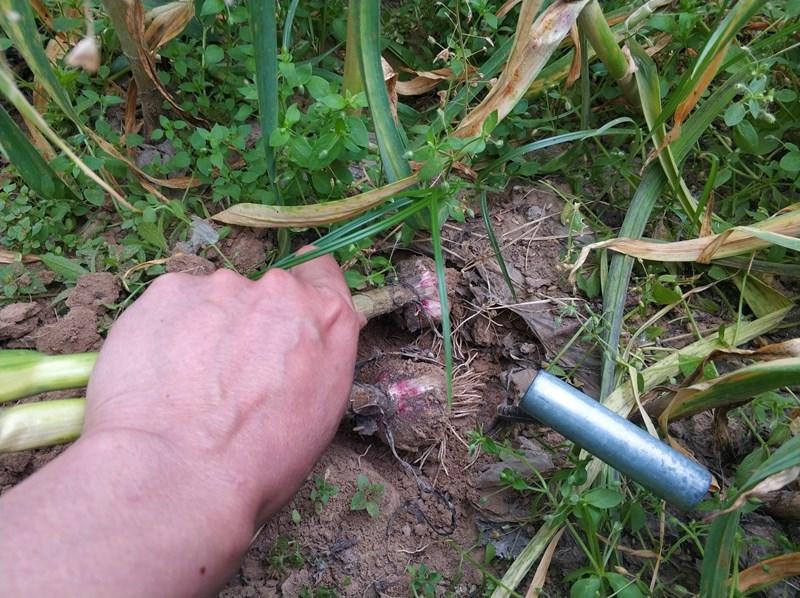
424	581
322	492
285	555
367	496
317	592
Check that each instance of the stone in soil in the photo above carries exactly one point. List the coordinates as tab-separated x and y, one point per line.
96	291
17	320
74	333
188	263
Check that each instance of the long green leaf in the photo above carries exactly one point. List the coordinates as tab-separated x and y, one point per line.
718	556
649	86
33	169
498	253
647	193
734	388
358	229
288	23
367	27
441	279
607	129
265	46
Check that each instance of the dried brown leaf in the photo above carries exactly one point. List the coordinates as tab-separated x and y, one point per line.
135	22
321	214
166	22
10	257
733	241
768	572
540	575
535	41
575	66
770	484
508	5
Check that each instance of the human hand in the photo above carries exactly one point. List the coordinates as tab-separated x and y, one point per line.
244	380
211	400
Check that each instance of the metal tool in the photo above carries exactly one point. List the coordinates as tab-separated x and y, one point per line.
613	439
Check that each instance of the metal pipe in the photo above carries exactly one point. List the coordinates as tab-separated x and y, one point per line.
613	439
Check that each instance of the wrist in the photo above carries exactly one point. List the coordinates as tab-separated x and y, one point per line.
187	502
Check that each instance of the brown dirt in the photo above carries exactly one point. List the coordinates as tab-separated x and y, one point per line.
245	249
441	504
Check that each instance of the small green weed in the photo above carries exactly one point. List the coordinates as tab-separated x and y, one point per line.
424	581
285	555
322	592
367	497
322	492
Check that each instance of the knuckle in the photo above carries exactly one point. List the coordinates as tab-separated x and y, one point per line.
223	275
168	281
278	279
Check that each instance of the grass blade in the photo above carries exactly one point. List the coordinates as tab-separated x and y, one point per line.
718	555
265	46
287	25
33	169
649	85
441	279
362	228
367	24
607	129
722	36
642	203
498	254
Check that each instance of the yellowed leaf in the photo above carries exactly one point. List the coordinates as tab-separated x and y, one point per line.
770	484
321	214
540	575
768	572
10	257
575	66
535	41
508	5
734	241
166	22
425	81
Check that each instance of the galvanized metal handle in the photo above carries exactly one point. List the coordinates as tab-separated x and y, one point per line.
613	439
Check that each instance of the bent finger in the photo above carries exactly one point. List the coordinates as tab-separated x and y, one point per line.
322	272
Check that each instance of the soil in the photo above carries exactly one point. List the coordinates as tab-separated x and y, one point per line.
441	504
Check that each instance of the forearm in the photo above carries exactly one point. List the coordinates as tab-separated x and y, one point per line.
114	517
